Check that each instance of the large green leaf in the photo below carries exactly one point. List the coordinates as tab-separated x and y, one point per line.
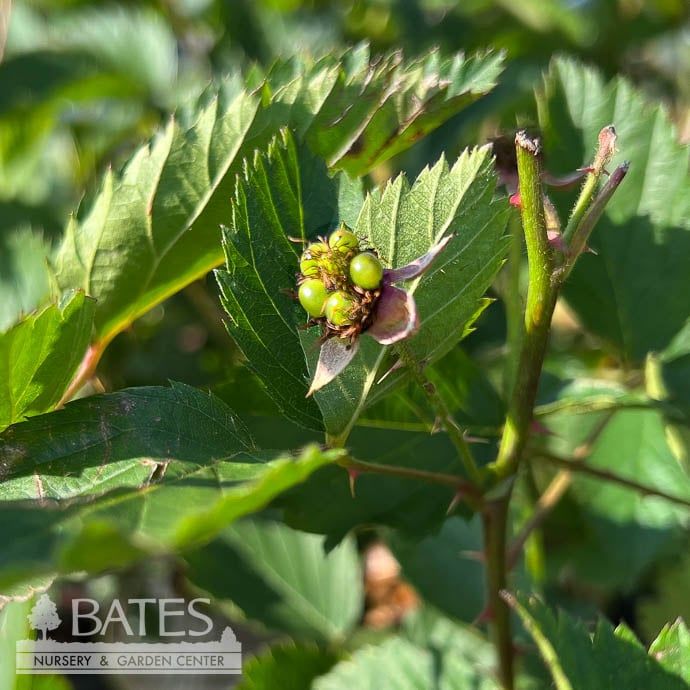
282	577
39	355
643	240
153	228
286	193
382	107
403	222
113	477
577	661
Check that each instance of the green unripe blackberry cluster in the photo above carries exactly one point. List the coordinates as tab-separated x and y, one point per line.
339	283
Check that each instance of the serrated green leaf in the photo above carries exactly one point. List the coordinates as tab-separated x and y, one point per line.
154	227
403	222
646	225
39	355
111	478
671	649
384	107
283	578
578	661
285	193
287	666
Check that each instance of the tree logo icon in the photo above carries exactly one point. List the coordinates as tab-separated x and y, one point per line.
44	616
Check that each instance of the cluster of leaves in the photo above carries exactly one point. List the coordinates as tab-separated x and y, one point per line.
96	446
282	153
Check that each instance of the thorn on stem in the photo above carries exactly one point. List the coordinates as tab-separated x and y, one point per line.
454	502
515	200
565	181
352	477
474	439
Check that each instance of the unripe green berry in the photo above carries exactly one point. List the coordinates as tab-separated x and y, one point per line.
309	264
343	240
339	307
312	295
366	271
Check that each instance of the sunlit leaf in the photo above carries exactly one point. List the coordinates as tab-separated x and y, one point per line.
39	355
111	478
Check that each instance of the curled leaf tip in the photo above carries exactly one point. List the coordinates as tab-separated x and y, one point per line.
334	356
